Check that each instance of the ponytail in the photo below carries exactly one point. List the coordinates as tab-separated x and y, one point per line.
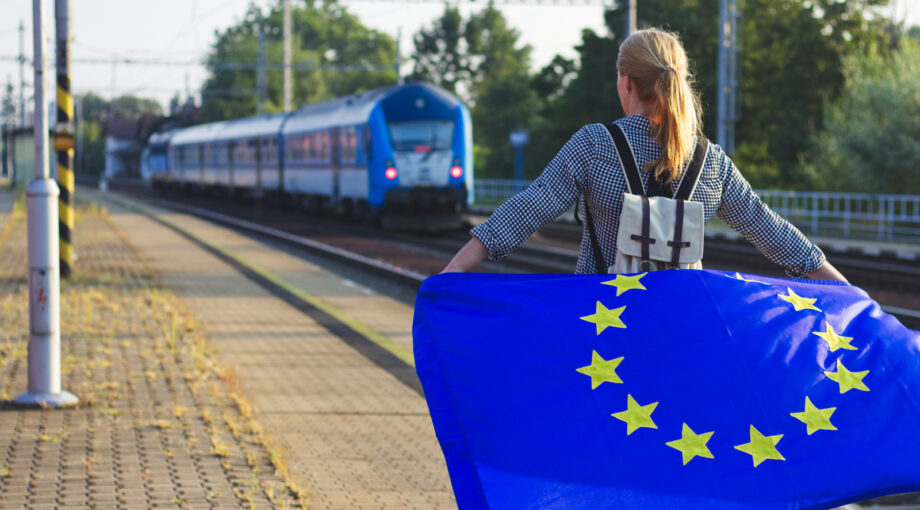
656	63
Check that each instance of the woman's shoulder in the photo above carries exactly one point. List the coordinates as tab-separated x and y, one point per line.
717	158
588	139
598	132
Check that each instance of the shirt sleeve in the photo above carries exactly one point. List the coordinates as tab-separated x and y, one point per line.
544	200
776	238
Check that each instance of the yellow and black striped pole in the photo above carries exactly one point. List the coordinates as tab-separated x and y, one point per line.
63	136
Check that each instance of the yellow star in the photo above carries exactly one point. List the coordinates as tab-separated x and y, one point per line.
691	444
636	416
761	447
800	303
605	318
624	283
601	370
816	419
848	380
739	277
834	340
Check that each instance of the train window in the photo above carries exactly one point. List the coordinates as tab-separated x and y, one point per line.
294	147
252	148
312	146
348	146
324	146
221	157
269	150
241	153
428	135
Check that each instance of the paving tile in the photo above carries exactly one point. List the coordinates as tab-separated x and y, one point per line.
123	447
353	435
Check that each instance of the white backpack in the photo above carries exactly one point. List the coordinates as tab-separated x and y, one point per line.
656	231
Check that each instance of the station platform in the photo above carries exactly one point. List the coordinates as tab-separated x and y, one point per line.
294	414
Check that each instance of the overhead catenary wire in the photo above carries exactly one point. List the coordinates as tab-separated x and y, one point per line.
231	66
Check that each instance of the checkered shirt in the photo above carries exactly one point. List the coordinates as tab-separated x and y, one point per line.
587	168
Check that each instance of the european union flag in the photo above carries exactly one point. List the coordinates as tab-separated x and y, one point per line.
676	389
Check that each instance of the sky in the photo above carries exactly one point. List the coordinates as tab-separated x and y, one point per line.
183	30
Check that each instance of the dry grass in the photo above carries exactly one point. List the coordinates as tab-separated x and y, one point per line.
119	317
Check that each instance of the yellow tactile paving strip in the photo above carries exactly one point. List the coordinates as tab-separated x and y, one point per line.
355	435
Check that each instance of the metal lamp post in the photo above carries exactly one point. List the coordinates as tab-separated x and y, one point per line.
44	270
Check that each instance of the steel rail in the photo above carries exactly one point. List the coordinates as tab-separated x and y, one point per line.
401	274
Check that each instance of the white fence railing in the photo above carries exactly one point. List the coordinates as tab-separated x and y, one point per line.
849	215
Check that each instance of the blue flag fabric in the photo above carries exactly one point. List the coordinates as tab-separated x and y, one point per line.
676	389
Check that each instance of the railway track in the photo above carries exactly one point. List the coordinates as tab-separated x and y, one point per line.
408	258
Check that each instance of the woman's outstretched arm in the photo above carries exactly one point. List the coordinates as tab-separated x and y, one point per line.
471	254
826	272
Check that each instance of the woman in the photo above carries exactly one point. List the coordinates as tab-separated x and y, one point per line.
662	122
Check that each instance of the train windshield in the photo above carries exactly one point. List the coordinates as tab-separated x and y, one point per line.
426	135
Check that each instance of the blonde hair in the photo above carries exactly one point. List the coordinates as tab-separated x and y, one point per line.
655	62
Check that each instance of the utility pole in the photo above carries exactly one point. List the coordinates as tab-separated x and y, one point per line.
64	135
7	111
260	72
22	75
399	77
79	160
112	100
288	82
630	16
728	85
44	279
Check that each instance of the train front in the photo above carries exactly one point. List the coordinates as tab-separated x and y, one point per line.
422	164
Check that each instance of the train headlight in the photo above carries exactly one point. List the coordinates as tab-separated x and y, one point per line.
390	173
456	171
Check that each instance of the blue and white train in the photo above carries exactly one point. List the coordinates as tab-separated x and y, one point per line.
397	151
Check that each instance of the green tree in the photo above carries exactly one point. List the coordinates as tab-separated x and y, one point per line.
791	65
550	81
503	98
482	60
441	55
96	110
458	54
340	39
332	52
99	109
872	138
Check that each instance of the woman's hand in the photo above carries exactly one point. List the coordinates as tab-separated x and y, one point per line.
468	256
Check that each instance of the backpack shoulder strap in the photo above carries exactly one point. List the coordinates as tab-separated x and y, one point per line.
692	176
627	159
599	265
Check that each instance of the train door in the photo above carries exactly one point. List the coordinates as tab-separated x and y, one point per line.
258	145
179	155
230	180
281	157
201	164
333	137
